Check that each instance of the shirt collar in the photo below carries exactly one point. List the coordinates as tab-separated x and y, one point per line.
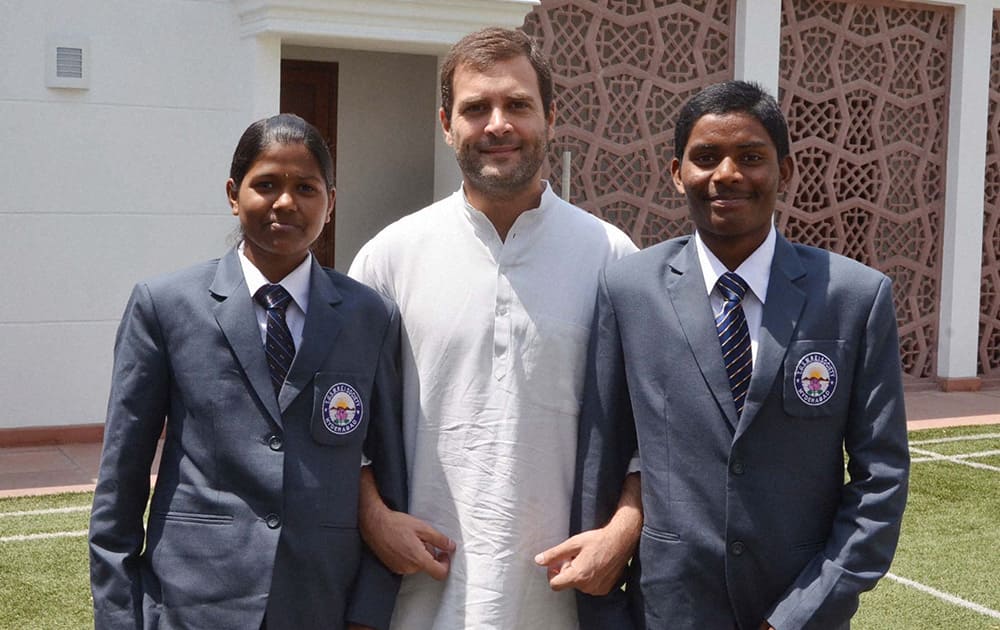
296	282
755	270
548	198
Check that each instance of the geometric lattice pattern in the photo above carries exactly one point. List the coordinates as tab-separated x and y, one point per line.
989	317
865	89
622	69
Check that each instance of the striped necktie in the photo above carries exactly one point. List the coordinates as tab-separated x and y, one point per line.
734	336
279	347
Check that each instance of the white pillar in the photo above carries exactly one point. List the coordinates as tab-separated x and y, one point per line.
758	42
961	259
265	57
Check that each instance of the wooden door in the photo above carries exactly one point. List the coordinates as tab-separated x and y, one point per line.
309	89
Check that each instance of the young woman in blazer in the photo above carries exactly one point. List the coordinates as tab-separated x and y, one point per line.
253	518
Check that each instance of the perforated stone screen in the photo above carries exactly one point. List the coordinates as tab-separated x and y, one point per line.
622	69
989	318
865	90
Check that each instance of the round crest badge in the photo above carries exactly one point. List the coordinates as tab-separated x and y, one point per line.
815	379
342	409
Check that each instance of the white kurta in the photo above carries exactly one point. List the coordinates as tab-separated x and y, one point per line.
494	344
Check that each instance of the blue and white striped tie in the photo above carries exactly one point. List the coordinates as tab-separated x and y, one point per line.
279	347
734	336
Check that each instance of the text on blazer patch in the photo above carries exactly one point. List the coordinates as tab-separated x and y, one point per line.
342	409
815	379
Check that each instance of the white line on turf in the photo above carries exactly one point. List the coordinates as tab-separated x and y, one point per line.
957	438
62	510
959	455
42	536
932	456
948	597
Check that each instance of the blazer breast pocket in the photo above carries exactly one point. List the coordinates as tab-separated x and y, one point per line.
817	378
340	408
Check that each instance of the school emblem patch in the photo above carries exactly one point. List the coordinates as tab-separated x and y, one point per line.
342	409
815	379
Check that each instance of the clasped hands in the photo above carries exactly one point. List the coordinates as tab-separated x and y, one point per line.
590	561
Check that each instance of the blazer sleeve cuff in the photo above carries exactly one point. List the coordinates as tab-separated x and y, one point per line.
374	594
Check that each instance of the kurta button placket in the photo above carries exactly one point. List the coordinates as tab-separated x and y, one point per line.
501	322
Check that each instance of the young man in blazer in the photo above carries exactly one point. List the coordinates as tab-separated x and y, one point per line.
749	520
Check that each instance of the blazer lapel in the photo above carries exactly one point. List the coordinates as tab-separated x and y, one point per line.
782	310
235	315
322	326
685	285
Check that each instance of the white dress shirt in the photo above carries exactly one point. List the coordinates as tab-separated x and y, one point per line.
297	285
755	271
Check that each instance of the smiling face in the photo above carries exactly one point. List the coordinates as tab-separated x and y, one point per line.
282	204
498	128
731	175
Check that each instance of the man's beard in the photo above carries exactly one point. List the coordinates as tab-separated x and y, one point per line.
502	184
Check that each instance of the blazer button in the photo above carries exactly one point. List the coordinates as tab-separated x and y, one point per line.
274	441
738	468
737	548
273	521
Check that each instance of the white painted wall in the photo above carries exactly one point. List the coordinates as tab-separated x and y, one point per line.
105	186
125	179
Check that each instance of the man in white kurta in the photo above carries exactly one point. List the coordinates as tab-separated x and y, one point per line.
494	346
496	287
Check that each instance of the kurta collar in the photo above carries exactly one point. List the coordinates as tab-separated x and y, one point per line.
525	219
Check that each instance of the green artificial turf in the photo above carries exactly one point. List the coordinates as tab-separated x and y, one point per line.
951	531
949	542
45	583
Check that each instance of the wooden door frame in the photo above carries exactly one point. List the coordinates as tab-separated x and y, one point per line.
324	118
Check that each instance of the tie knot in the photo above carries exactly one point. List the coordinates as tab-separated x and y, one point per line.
272	296
732	287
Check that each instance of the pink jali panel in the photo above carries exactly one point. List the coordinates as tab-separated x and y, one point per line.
622	69
865	88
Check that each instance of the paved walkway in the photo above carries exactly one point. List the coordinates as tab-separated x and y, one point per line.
28	470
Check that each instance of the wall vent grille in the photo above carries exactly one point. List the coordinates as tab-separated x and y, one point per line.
69	62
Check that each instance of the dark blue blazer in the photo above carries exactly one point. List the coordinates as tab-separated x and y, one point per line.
746	518
256	497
